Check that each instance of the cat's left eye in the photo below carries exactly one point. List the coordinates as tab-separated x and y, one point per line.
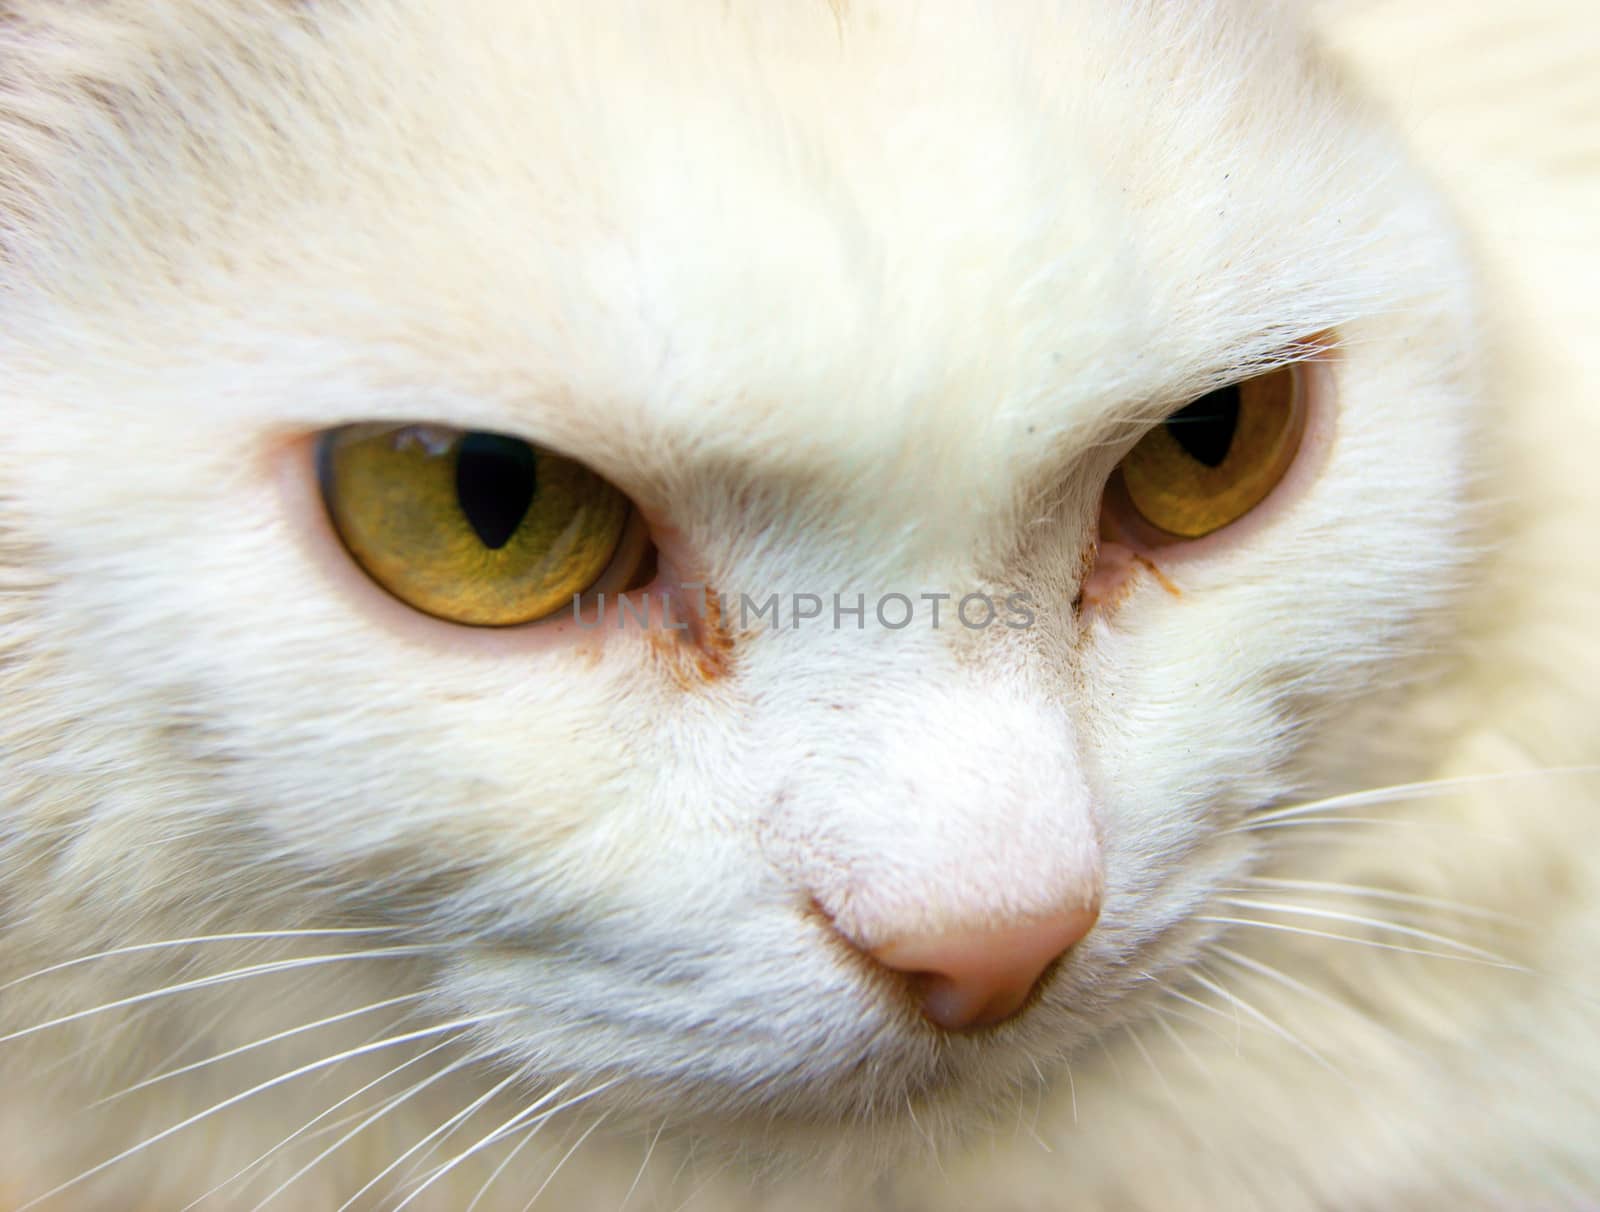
469	526
1218	457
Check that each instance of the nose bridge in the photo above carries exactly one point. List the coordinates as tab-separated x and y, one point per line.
958	810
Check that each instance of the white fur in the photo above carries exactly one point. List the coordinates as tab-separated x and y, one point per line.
861	298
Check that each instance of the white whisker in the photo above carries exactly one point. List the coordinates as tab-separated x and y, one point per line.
1267	972
1276	1028
318	1118
168	944
1371	892
1038	1104
643	1165
933	1145
257	1089
1154	1068
105	1042
565	1158
1182	1045
1356	919
1184	1013
1419	790
1111	1057
510	1157
193	1037
397	1100
690	1155
1320	835
1238	1023
459	1117
1222	920
439	1141
1267	825
222	978
260	1043
505	1129
703	1184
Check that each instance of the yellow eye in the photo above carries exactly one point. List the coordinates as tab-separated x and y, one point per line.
473	527
1214	461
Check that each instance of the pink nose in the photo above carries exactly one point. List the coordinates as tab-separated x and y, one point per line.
973	978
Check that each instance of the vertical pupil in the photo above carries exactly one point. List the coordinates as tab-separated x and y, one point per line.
1205	428
495	483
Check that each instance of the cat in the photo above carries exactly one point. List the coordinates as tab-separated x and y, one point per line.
1222	370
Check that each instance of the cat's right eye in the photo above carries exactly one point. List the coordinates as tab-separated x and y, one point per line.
472	527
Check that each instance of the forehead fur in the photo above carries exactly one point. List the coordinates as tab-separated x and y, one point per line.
678	227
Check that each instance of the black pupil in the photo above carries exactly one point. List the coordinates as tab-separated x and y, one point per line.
495	483
1205	428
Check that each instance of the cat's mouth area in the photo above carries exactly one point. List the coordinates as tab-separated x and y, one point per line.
819	1042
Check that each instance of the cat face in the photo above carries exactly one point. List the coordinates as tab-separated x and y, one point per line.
870	302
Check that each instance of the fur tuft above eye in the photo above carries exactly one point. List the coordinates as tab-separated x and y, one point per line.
1217	458
477	528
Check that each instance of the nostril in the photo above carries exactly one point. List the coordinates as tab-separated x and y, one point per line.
978	977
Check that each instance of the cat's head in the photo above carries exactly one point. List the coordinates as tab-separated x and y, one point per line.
872	299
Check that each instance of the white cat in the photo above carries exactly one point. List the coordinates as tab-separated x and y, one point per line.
1226	845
